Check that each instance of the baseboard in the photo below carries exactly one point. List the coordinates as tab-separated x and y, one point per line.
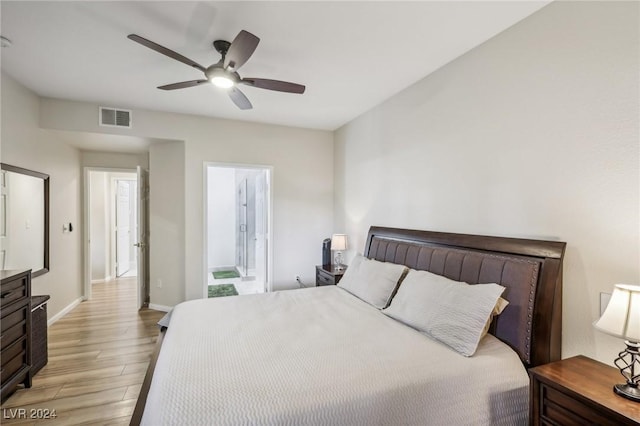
161	308
101	280
65	311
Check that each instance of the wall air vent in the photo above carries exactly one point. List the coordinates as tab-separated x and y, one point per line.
112	117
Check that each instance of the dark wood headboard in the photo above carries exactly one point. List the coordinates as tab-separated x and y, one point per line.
531	271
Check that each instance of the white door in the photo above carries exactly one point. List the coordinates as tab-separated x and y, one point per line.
143	237
123	228
261	228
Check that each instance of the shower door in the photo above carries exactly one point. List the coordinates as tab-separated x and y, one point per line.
241	228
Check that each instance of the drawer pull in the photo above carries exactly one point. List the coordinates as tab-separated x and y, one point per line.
5	295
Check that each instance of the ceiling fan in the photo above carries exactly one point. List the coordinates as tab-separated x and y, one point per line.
224	73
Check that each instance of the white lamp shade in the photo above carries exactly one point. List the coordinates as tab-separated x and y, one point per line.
622	316
338	242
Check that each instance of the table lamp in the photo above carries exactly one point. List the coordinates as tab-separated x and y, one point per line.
622	319
338	243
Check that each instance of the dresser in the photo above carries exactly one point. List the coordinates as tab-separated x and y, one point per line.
15	324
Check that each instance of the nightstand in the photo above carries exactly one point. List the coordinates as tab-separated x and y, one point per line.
579	391
328	275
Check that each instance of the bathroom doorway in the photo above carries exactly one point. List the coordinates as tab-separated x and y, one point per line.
237	229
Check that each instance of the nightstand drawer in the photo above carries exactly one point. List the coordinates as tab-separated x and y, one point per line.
561	409
578	391
328	275
323	279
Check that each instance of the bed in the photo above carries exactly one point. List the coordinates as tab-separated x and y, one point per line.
323	356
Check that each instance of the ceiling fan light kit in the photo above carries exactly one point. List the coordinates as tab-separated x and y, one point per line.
223	74
220	78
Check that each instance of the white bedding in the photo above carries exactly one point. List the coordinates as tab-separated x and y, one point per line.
320	356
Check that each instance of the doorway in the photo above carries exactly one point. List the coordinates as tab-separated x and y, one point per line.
114	239
237	224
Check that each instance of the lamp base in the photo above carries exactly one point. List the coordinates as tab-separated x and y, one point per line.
627	391
337	265
628	362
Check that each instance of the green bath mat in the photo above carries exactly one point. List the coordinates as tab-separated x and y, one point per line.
221	290
223	275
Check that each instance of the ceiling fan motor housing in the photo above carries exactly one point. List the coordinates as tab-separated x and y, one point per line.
222	46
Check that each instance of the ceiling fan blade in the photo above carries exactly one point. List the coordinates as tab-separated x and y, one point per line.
183	84
241	49
168	52
239	98
277	85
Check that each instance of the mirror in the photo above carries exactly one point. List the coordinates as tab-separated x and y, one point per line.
24	220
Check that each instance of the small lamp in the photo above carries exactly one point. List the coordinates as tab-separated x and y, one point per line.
622	319
338	243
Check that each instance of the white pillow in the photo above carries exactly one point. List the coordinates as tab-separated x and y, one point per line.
372	281
497	310
452	312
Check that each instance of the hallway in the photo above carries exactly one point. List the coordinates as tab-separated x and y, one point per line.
98	356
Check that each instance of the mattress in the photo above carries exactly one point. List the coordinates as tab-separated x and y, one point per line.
320	356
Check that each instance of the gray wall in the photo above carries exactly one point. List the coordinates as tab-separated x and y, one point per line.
532	134
302	185
166	223
24	144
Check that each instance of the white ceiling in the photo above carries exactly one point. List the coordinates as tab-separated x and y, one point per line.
350	55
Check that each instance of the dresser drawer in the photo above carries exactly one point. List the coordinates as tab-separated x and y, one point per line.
13	318
14	359
14	290
15	330
11	334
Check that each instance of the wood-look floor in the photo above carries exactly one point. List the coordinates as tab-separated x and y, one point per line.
98	355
